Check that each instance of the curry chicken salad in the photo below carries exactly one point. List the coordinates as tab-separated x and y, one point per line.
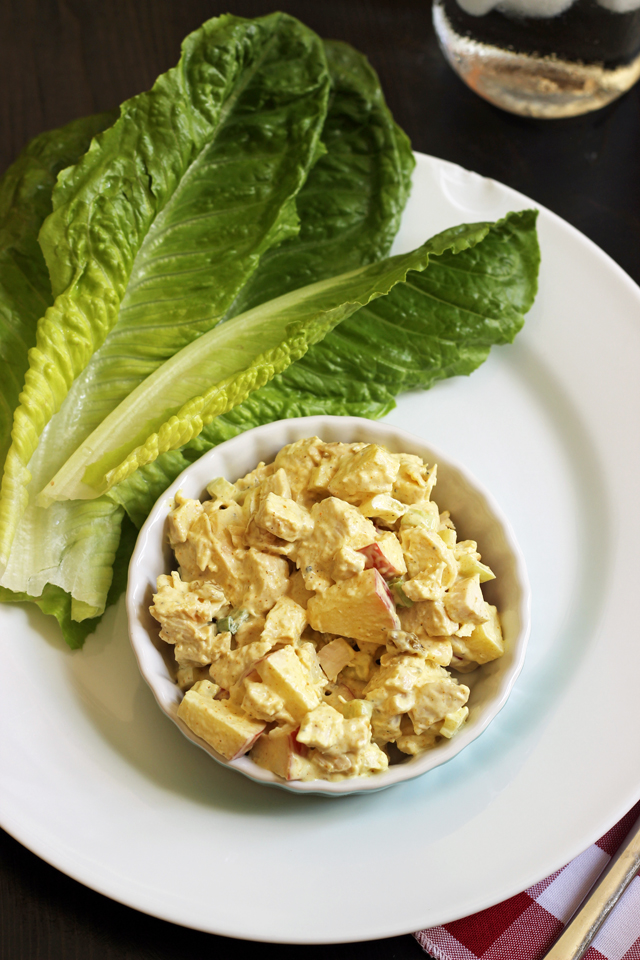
317	604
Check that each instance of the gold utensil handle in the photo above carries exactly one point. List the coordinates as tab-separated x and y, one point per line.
581	930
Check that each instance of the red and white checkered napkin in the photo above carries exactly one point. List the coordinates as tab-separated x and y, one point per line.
525	926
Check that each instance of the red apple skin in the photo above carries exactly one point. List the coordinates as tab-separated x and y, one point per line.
375	557
248	744
296	747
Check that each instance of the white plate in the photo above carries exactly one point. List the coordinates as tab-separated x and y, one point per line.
97	781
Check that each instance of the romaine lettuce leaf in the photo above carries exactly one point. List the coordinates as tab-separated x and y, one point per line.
25	289
352	201
443	322
211	376
166	216
372	157
58	603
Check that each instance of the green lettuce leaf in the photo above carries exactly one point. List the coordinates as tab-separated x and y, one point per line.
371	157
25	288
440	323
208	378
166	216
352	201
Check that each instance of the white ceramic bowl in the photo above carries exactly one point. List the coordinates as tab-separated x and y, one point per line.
476	516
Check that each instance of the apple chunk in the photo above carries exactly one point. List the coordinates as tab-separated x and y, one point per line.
224	726
280	752
361	608
386	556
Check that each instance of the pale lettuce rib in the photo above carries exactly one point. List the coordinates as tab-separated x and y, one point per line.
167	214
211	376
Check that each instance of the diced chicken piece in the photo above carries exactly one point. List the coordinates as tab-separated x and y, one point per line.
286	675
361	608
437	649
222	724
263	541
459	661
453	721
433	618
428	587
464	601
266	578
386	729
298	460
283	518
434	647
393	687
278	484
187	676
255	477
325	729
184	512
329	457
285	622
368	761
415	479
386	556
434	700
335	656
371	471
347	562
247	630
186	612
415	744
336	524
233	665
260	701
297	590
469	564
361	666
280	752
425	553
383	508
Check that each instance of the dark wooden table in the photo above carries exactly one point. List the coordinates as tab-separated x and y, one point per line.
60	59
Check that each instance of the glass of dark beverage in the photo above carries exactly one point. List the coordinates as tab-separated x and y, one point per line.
542	58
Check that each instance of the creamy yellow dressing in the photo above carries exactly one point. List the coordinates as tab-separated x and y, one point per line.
317	605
